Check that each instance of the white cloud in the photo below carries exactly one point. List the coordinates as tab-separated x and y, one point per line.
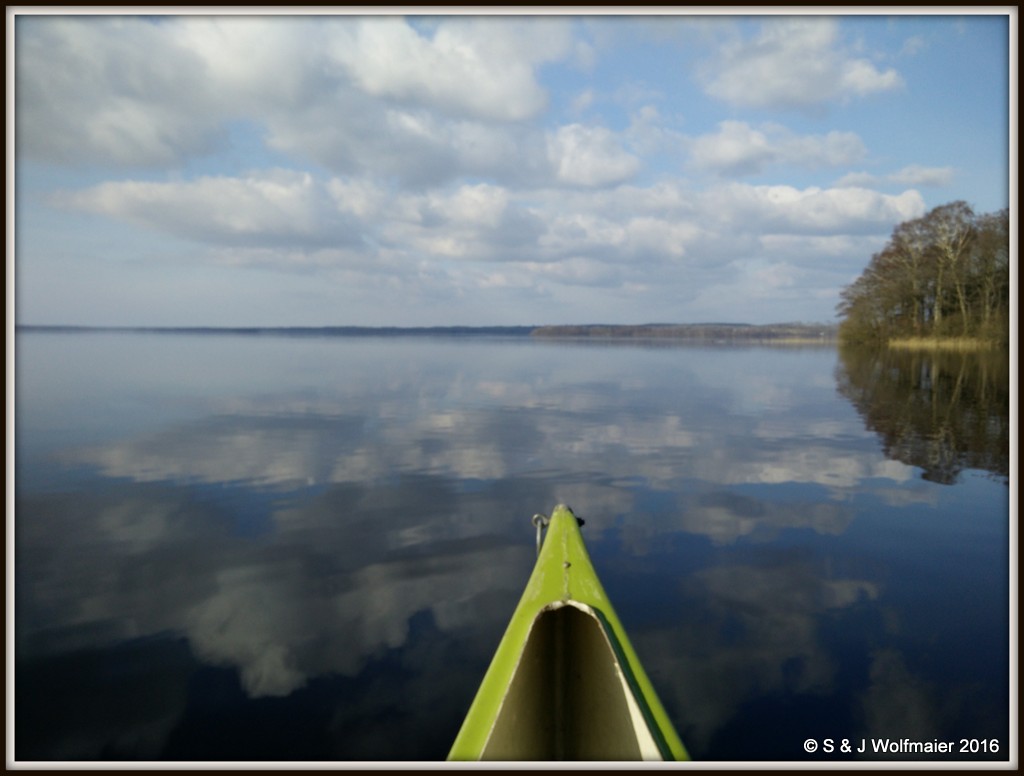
417	154
113	91
833	149
358	135
575	271
589	156
649	134
482	204
857	180
619	238
442	243
246	62
481	67
861	77
739	149
736	148
276	206
913	46
576	232
793	63
804	248
918	175
786	209
362	197
911	175
352	93
656	236
667	198
478	222
582	101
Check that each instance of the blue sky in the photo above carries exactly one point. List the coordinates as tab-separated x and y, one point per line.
475	170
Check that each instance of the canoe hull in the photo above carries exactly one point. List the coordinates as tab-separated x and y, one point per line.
565	683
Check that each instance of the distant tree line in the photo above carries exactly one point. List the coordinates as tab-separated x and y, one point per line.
944	275
703	332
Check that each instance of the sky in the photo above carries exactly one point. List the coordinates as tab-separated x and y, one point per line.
460	169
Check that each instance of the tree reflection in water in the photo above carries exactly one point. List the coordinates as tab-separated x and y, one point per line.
940	411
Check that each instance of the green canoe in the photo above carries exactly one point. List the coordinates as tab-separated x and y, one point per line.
565	683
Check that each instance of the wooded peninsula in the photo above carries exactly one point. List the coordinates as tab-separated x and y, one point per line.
942	280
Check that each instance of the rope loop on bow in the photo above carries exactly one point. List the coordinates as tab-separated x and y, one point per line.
540	522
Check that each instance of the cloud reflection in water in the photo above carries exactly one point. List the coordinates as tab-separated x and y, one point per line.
311	525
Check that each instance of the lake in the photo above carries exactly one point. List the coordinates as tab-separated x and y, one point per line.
234	547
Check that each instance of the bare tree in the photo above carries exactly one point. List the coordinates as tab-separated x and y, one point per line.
947	267
952	231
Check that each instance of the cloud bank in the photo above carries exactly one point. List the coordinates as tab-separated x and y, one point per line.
445	154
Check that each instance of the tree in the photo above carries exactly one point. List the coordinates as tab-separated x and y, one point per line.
951	230
990	261
908	251
944	273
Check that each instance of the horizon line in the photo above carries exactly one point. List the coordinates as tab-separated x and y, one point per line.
399	327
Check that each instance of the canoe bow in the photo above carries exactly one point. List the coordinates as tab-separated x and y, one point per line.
565	682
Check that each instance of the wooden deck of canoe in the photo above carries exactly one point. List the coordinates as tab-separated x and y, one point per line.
565	683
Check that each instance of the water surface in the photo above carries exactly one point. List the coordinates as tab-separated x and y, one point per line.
307	548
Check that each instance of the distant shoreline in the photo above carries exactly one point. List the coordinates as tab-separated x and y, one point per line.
298	331
776	333
786	333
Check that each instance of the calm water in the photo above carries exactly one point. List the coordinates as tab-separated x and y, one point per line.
280	548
